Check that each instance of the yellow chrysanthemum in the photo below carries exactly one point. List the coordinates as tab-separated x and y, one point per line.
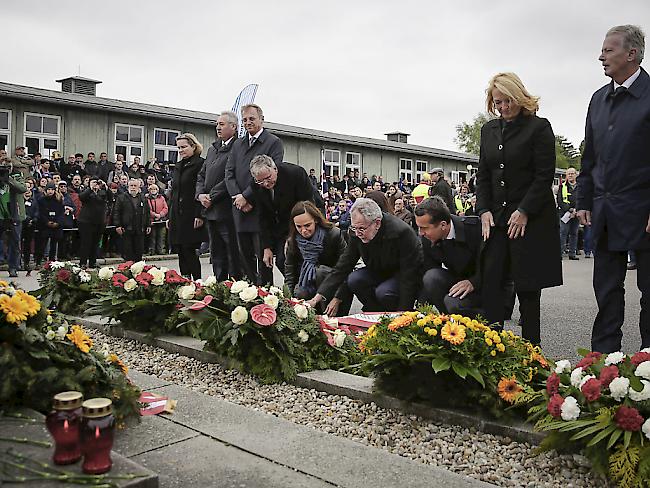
15	309
32	304
488	341
401	321
453	333
372	331
433	332
500	347
508	389
3	284
493	353
80	339
115	360
437	321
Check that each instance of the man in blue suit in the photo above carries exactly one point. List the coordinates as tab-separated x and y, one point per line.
614	184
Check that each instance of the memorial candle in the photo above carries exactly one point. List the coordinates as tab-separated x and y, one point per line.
97	429
64	423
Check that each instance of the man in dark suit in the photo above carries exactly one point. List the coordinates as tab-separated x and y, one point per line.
452	251
240	187
132	221
614	184
278	188
211	191
441	188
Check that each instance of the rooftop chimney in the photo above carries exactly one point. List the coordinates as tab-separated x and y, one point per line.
398	137
78	84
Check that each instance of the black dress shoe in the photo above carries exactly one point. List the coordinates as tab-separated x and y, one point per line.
630	265
574	258
13	273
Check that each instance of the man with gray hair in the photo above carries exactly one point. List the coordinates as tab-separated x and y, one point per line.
392	254
614	184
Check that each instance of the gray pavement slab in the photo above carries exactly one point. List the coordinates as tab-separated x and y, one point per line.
146	382
153	432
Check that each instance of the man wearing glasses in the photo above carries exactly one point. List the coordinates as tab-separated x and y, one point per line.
392	254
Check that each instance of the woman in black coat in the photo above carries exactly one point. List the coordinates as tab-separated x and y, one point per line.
516	205
92	220
314	246
185	224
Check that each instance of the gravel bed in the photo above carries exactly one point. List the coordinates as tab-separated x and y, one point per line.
493	459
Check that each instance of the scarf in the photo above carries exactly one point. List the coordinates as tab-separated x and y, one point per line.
310	249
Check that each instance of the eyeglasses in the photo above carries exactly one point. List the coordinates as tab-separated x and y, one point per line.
263	180
361	230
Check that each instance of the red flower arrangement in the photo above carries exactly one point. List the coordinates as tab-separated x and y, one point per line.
263	315
554	406
144	279
119	279
589	360
640	357
591	390
125	266
553	384
63	275
628	418
607	374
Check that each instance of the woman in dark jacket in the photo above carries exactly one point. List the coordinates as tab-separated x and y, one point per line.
92	220
516	205
50	223
314	246
185	224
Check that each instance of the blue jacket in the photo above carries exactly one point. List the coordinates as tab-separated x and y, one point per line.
614	182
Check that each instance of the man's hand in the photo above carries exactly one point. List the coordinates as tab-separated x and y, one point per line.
315	301
268	258
487	222
119	230
585	217
333	307
247	208
517	224
647	227
461	289
198	223
239	201
204	198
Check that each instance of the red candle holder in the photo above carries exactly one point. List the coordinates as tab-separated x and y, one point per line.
64	423
97	429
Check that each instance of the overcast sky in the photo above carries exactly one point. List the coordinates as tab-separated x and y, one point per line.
354	67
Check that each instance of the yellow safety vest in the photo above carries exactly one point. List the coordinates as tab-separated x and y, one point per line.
459	204
565	193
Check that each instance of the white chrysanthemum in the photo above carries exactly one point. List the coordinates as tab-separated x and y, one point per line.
61	332
56	265
158	277
248	294
84	277
130	284
640	396
136	268
614	358
106	273
646	428
238	286
339	337
272	301
239	315
619	388
210	281
50	335
562	366
576	377
643	370
303	336
186	292
585	379
570	409
301	311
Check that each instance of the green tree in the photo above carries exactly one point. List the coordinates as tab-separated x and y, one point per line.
468	135
566	153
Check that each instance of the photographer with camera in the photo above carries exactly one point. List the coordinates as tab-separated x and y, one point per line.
12	211
92	220
50	223
28	228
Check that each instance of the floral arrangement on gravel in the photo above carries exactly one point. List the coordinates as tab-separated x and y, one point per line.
450	360
65	285
42	355
602	405
268	334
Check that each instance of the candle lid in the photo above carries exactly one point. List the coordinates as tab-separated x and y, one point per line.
97	407
67	400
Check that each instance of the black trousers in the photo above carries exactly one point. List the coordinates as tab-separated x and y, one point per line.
89	236
45	233
610	268
435	291
346	297
251	253
224	252
188	261
132	245
26	243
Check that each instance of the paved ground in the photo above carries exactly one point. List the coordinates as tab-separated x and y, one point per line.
568	311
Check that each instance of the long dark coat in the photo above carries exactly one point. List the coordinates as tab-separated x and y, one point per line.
614	181
516	170
211	180
183	206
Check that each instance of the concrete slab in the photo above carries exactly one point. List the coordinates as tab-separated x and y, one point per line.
153	432
146	382
338	461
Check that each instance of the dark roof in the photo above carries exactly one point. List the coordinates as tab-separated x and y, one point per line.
79	78
158	111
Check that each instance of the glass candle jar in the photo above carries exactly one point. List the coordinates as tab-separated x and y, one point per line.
97	429
64	423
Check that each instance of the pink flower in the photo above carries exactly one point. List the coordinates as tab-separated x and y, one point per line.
554	406
119	279
63	275
607	374
628	418
640	357
261	293
553	384
263	314
201	304
591	390
144	279
125	266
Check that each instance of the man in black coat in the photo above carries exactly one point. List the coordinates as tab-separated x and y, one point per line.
278	188
211	191
392	254
441	188
567	196
132	221
614	184
92	220
240	187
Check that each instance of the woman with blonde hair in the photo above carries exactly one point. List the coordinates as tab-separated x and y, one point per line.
185	224
516	205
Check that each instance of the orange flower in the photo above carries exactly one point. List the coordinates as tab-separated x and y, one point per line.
115	360
508	389
540	359
453	333
399	322
80	339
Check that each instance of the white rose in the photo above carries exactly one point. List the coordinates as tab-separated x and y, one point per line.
643	370
275	290
585	379
56	265
61	332
238	286
570	409
187	292
272	301
136	268
303	336
84	277
210	281
301	311
248	294
339	337
614	358
106	273
643	395
50	335
619	387
76	269
562	366
576	377
158	277
239	315
130	285
646	428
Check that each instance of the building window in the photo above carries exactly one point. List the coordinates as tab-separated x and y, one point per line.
332	162
164	145
5	129
420	169
129	141
459	177
352	162
406	170
42	134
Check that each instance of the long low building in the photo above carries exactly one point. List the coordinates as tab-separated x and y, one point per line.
76	120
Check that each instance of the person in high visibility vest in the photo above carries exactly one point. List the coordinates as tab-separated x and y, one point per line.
421	191
566	204
462	201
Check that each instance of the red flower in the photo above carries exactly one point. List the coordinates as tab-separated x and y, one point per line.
591	390
594	354
201	304
263	314
228	284
553	384
640	357
554	406
147	267
628	418
119	279
173	278
261	293
47	265
63	275
144	279
607	374
178	306
125	266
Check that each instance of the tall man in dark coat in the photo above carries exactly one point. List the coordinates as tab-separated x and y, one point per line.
211	191
132	221
614	184
441	188
240	186
278	188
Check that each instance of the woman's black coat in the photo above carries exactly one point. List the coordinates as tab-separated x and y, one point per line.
183	206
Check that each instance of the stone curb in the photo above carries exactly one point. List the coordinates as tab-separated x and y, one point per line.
107	261
329	381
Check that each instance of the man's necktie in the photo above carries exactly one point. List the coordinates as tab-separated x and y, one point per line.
251	141
618	92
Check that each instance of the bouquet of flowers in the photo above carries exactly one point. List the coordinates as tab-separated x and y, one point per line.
42	355
270	335
449	360
601	405
65	285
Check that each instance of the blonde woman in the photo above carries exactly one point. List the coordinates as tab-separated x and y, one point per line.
516	205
